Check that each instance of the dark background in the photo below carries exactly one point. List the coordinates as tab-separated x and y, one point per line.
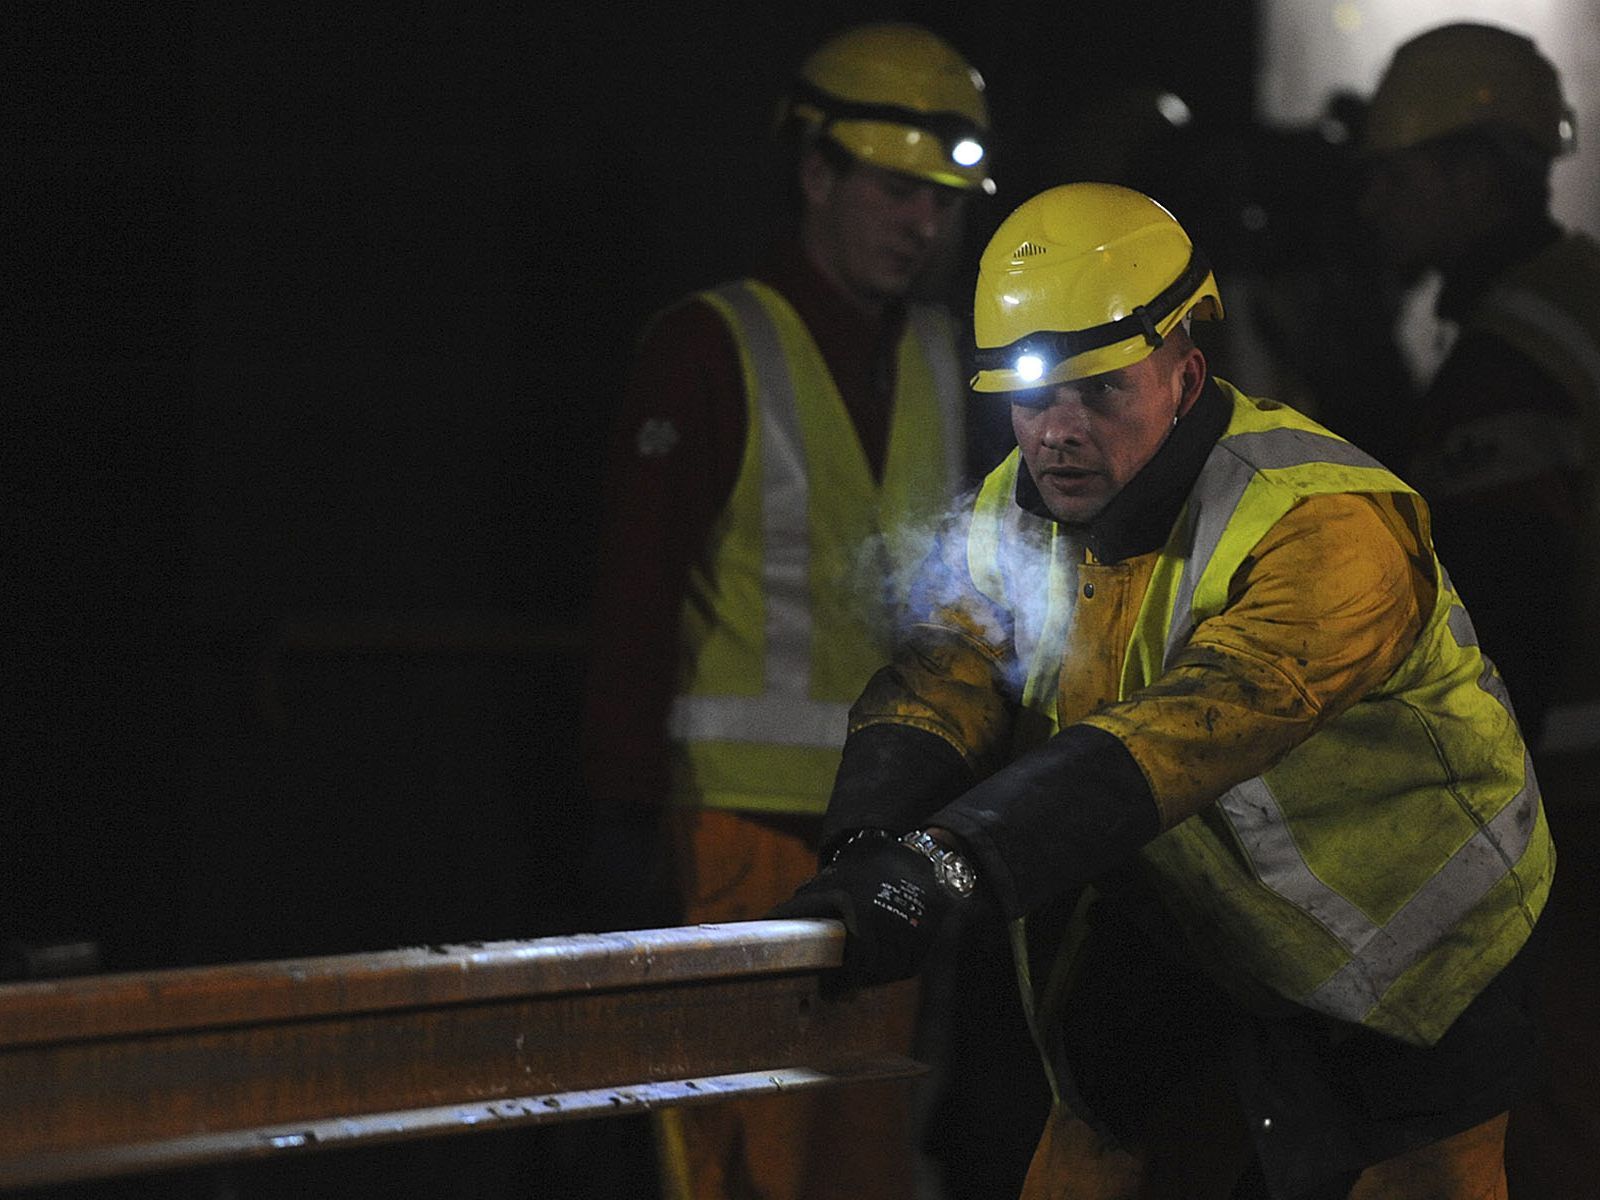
317	316
320	315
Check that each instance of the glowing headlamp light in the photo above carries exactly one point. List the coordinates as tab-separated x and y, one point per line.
966	153
960	136
1028	367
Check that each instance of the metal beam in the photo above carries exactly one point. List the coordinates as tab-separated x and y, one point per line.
112	1074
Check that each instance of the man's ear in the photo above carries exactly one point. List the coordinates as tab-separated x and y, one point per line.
1192	375
817	176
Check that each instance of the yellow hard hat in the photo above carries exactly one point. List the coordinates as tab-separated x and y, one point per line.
1083	279
1465	76
897	96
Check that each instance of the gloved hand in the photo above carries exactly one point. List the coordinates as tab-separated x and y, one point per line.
891	904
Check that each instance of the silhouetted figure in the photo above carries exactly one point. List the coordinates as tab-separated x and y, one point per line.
1504	441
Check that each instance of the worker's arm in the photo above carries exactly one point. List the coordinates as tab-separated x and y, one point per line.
1324	610
670	464
938	717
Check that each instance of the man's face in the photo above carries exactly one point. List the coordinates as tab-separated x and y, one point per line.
1084	440
873	231
1406	202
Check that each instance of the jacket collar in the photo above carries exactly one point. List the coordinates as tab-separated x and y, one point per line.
1139	517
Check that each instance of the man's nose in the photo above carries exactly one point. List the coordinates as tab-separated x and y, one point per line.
926	211
1063	422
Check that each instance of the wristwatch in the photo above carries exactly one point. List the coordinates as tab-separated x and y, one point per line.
949	868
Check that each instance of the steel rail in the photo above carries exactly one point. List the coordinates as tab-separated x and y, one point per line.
115	1074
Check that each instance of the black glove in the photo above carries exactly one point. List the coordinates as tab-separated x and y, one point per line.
890	901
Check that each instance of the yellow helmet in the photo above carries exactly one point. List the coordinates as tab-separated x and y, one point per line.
1083	279
1464	76
899	97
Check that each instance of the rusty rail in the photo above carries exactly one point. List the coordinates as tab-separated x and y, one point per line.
124	1073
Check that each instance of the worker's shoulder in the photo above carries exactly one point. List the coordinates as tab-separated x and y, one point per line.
1571	260
689	324
1561	282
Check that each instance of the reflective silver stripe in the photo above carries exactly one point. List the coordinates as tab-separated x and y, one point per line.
1534	309
1275	449
1379	953
784	714
785	565
778	720
785	496
1211	506
1233	463
932	330
1253	811
1048	645
1439	905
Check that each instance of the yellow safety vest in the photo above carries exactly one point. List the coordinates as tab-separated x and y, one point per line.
1387	868
788	617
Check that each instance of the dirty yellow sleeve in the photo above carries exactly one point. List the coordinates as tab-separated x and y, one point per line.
1322	612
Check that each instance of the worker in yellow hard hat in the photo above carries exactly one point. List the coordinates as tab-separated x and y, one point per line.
898	97
1503	438
774	434
1463	109
1184	693
1460	138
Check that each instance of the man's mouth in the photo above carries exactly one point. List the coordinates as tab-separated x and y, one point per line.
1066	472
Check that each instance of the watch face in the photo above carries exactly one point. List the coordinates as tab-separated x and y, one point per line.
949	868
958	876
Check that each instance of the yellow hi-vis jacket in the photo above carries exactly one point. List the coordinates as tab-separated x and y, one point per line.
1385	867
787	616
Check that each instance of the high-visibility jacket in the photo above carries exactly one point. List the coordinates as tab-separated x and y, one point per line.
788	615
1393	862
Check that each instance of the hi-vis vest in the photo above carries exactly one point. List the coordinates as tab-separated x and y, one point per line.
1390	865
788	616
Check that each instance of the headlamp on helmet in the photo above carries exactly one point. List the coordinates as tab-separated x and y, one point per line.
959	137
898	97
1081	280
1039	353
